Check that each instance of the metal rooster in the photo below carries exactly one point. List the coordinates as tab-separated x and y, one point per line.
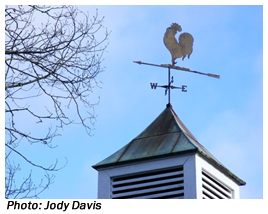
178	49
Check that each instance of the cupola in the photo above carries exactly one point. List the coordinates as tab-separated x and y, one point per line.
165	161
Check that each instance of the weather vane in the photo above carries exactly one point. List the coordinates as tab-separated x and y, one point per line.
177	50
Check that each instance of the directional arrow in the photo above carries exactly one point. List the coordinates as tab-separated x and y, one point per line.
178	68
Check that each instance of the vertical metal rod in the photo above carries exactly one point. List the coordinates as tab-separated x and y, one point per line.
169	85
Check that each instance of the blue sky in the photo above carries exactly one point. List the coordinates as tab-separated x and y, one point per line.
225	115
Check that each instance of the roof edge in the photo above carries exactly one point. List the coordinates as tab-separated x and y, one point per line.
97	167
222	169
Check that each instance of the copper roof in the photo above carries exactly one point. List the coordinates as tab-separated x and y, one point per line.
165	136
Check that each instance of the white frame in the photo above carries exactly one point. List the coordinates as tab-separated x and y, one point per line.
202	164
193	164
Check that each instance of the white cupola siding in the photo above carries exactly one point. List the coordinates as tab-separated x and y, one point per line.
165	161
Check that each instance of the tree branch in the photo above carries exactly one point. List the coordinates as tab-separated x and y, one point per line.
50	68
50	168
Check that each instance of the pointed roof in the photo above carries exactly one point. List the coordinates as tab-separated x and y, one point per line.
165	136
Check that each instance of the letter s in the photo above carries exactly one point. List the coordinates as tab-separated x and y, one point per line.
98	206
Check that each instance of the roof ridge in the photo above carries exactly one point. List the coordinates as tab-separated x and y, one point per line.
181	125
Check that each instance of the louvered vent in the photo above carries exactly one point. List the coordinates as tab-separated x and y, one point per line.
214	189
165	183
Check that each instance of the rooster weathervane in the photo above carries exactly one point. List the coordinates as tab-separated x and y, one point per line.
178	48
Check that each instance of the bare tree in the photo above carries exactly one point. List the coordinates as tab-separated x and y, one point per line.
50	72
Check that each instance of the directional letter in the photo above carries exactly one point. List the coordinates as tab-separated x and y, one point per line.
153	85
183	88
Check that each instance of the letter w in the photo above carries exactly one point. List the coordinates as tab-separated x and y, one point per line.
153	85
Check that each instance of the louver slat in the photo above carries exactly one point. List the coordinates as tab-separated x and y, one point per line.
214	189
149	177
147	184
165	183
152	192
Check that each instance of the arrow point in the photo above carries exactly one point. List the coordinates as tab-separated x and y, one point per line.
138	62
